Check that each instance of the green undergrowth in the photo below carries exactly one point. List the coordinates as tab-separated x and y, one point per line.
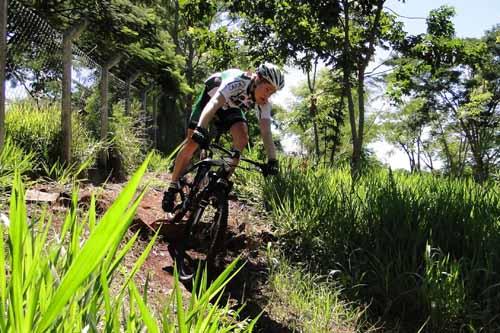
13	159
310	303
64	282
37	130
421	250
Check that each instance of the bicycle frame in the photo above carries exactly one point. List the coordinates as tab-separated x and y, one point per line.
199	196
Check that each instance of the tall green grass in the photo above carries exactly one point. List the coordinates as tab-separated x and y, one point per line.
308	302
127	140
63	283
13	159
38	130
128	143
421	249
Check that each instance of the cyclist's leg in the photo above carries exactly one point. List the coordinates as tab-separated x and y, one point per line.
234	121
239	133
185	154
238	128
189	146
181	162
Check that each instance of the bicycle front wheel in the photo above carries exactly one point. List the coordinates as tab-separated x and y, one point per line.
218	228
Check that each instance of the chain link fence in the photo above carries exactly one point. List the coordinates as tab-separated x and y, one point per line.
34	74
34	61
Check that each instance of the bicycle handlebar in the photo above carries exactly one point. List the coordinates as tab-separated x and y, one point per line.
261	166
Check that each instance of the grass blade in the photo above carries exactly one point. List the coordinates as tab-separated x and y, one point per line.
106	234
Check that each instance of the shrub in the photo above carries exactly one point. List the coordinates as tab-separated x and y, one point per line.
39	131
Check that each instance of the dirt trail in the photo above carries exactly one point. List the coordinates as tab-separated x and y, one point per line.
248	235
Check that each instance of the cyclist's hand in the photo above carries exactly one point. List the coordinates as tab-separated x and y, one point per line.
272	168
201	137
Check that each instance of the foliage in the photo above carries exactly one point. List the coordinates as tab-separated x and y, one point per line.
309	303
120	26
39	131
127	145
13	159
405	128
413	244
458	78
328	111
158	162
279	30
61	283
204	313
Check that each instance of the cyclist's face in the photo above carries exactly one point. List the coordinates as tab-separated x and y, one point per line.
263	91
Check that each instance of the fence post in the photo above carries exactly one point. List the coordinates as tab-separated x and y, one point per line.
3	63
155	119
130	80
68	37
145	99
104	102
144	113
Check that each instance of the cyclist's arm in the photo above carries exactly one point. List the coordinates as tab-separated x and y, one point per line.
267	137
214	104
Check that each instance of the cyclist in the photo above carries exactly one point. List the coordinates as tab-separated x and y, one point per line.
225	98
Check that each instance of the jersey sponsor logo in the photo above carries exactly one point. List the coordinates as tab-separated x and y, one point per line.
240	101
238	85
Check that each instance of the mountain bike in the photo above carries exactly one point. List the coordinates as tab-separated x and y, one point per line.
205	186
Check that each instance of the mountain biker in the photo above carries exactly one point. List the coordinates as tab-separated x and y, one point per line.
225	98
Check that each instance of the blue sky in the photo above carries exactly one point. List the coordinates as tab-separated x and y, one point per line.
472	19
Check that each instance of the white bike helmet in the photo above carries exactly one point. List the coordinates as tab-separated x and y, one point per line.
272	74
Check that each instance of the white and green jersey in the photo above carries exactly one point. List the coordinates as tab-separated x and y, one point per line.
234	85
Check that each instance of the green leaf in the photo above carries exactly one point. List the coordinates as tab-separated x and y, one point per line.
106	235
181	317
148	318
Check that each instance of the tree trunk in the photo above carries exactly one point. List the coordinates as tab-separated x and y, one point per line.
362	62
411	157
346	82
313	109
479	169
358	142
190	80
3	55
175	34
447	152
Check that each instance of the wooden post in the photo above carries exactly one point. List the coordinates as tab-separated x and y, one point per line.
68	37
130	80
3	63
155	119
104	102
145	105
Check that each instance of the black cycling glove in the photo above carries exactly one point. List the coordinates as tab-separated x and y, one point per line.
272	168
201	137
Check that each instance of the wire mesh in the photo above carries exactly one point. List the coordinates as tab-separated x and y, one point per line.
35	67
